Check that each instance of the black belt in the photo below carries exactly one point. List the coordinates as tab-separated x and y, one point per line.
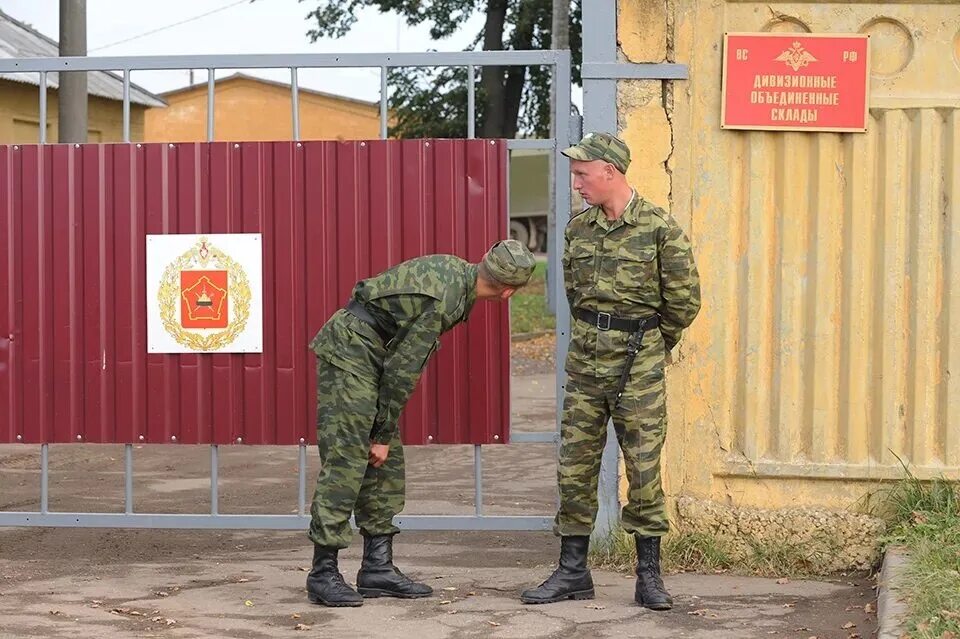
359	311
636	328
608	322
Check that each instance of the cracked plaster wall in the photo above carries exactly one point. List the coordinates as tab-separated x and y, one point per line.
644	107
792	388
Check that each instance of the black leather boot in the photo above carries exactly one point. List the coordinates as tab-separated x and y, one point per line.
325	584
378	577
571	580
650	592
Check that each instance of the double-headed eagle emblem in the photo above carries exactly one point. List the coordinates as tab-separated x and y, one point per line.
796	57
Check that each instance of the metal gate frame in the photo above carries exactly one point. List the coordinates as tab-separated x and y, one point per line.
565	129
601	71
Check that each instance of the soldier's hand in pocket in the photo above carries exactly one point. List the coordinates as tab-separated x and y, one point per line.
378	454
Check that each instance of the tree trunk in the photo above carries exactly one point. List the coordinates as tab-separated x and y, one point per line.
559	39
513	92
491	78
512	97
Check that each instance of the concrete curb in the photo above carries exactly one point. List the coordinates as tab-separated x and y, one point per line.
891	609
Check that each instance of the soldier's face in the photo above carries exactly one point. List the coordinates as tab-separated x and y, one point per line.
592	180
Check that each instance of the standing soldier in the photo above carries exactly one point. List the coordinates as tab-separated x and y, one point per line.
633	287
370	355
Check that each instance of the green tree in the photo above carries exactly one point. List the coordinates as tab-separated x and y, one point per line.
433	102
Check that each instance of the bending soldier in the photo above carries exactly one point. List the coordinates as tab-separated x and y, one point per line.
370	355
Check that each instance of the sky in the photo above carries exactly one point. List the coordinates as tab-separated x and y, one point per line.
263	26
232	26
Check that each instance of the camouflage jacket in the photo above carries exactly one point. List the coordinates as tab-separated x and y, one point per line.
415	302
636	266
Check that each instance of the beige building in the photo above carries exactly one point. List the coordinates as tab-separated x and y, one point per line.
828	347
20	100
254	109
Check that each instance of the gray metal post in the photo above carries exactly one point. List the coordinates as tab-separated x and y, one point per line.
43	107
383	102
478	480
44	478
211	88
471	103
302	480
72	95
214	480
128	479
561	184
600	114
295	102
126	105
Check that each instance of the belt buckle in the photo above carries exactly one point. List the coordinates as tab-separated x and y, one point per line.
600	324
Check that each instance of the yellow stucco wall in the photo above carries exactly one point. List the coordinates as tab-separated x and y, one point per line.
246	109
829	340
20	116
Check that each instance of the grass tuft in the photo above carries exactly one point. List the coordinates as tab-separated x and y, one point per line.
703	553
924	519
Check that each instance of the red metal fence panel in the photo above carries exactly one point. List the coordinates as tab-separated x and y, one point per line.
73	223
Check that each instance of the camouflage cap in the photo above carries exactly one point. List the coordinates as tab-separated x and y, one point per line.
510	263
601	146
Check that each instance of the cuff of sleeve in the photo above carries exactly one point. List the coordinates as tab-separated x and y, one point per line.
381	434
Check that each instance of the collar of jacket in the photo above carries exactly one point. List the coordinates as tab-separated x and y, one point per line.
471	284
631	213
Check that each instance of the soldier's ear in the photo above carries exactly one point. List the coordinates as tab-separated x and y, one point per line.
507	292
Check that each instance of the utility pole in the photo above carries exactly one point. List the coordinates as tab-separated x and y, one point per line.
72	96
559	39
561	24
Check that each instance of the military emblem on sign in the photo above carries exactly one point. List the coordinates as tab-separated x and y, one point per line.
204	298
796	57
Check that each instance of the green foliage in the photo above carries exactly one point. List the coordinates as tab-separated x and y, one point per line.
433	102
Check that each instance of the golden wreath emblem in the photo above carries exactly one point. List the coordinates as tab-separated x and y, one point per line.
204	256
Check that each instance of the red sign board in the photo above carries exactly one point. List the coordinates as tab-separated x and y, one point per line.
795	82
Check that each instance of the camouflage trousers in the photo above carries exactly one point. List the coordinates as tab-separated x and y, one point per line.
640	424
347	483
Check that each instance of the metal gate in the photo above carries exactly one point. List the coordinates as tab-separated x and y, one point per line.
79	363
559	63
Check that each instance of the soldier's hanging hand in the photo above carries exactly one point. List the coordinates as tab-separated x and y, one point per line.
378	454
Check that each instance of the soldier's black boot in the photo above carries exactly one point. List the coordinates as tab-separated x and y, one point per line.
650	592
378	577
325	584
571	579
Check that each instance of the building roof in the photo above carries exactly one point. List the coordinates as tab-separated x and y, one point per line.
19	40
283	85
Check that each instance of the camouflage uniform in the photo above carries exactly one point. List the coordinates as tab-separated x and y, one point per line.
367	372
638	266
362	386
